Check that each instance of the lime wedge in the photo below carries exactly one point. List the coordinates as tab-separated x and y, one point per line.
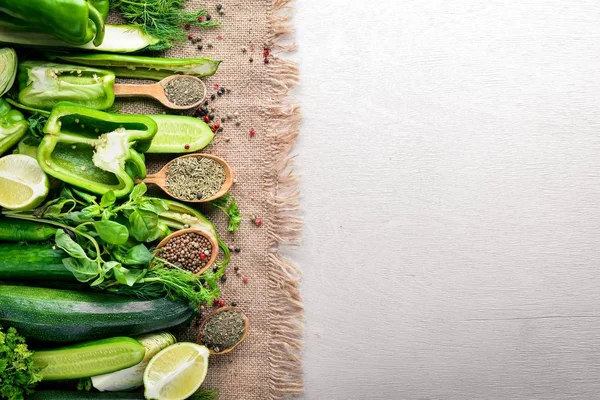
180	134
176	372
23	184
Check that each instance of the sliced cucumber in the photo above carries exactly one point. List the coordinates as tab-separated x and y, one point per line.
62	395
117	39
89	359
180	134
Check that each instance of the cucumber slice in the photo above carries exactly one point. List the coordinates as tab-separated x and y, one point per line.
176	133
89	359
117	39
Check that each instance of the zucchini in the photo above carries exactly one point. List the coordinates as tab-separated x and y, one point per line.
83	360
55	315
64	395
34	262
15	230
179	134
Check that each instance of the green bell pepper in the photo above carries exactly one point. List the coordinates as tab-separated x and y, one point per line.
103	7
94	150
42	85
74	21
12	126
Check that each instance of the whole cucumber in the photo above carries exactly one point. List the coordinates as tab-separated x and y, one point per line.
55	315
15	230
33	263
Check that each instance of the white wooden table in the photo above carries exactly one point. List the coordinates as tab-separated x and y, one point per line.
451	162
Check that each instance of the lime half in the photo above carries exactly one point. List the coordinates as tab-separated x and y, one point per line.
23	183
176	372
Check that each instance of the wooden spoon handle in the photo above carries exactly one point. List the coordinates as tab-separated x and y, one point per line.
157	179
155	90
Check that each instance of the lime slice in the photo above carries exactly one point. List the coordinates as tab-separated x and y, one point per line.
176	372
180	134
23	184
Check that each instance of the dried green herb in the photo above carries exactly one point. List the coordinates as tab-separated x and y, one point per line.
18	375
223	330
184	91
195	178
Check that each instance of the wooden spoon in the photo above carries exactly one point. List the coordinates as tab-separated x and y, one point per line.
160	178
157	91
211	239
222	309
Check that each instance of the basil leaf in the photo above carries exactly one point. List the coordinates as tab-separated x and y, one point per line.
129	277
138	191
143	224
89	212
83	269
138	255
108	199
112	232
109	265
64	241
156	206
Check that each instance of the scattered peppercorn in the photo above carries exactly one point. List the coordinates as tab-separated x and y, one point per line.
219	6
237	249
187	27
213	96
200	19
251	59
266	60
236	268
216	86
224	279
258	221
208	17
217	125
220	91
245	279
252	132
266	52
211	116
233	304
215	269
199	196
206	119
190	36
219	37
187	146
200	47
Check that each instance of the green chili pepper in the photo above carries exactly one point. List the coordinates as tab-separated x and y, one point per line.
141	67
12	126
94	150
74	21
42	85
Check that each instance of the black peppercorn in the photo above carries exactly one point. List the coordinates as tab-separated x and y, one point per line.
199	196
223	279
211	116
208	17
237	249
219	6
200	47
213	96
233	304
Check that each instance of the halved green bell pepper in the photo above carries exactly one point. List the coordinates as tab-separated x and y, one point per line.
74	21
43	84
94	150
12	126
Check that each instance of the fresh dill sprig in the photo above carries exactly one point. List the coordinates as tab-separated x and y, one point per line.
164	19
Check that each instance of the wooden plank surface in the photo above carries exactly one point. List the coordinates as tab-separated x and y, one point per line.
451	154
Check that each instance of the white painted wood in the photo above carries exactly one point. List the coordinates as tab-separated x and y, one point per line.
451	154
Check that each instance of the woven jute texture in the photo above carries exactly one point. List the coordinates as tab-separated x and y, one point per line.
268	364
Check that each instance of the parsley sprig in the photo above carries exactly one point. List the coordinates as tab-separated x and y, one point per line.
18	375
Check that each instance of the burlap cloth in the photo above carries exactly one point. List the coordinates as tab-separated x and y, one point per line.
268	364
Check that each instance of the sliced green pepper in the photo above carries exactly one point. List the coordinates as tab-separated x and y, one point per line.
74	21
12	126
94	150
42	85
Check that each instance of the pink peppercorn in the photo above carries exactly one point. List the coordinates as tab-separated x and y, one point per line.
219	37
190	36
200	19
245	279
258	221
187	27
187	146
252	132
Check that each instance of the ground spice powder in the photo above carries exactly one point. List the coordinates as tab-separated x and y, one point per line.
184	91
223	330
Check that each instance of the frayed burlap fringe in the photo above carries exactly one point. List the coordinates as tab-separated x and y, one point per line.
284	227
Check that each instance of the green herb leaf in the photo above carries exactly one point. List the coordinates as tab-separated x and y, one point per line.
143	224
19	378
138	255
64	241
138	191
89	198
108	199
88	213
112	232
83	270
127	276
235	218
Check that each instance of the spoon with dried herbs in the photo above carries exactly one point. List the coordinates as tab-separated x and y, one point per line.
223	330
195	178
179	92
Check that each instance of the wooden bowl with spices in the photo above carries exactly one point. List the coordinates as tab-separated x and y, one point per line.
191	249
194	178
222	326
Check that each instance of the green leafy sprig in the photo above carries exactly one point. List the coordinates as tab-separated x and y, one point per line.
229	206
18	375
164	19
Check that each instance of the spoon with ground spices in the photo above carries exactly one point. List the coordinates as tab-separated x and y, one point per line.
195	178
179	92
223	330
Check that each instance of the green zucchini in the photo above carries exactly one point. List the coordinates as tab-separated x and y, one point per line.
179	134
55	315
64	395
34	262
15	230
87	359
